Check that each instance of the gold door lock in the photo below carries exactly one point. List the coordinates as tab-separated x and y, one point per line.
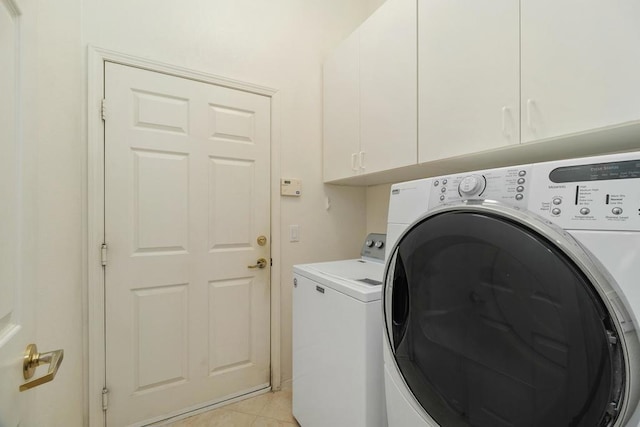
262	240
261	263
33	359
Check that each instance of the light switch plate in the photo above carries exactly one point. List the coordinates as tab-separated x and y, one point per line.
294	233
290	187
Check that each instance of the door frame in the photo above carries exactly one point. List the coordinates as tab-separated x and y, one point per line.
94	277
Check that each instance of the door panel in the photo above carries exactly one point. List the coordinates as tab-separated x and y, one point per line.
230	203
186	196
160	359
9	157
17	327
160	222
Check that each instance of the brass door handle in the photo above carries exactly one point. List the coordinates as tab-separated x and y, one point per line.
261	263
33	359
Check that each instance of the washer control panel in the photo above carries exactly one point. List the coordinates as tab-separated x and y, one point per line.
588	195
506	185
374	246
472	186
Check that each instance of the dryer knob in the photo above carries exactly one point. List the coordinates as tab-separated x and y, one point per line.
369	243
379	244
471	185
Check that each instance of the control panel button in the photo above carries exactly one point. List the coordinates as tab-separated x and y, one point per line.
369	243
616	211
519	197
521	180
520	189
379	244
442	197
522	173
471	185
585	211
556	211
436	183
444	182
557	200
443	189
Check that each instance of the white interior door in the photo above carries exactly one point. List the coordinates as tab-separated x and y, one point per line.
17	326
186	197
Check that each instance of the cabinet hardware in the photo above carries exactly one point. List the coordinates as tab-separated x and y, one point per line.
530	105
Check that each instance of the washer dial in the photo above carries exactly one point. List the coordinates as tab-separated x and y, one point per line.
471	185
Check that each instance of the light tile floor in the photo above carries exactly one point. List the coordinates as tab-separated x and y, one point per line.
265	410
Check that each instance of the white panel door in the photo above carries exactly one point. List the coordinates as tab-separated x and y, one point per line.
341	107
388	91
468	72
186	196
580	65
17	281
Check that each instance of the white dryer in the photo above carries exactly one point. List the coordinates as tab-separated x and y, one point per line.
337	346
512	295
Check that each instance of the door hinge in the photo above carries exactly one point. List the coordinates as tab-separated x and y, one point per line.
103	254
271	262
105	398
103	109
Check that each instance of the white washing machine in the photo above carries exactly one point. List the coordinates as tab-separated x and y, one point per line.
512	295
337	346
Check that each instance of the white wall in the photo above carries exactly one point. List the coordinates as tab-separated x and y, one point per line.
279	43
372	5
60	209
377	208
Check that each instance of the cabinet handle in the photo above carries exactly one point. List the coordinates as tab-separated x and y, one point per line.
505	132
529	108
362	160
354	162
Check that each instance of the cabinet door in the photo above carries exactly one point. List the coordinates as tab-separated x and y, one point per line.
388	98
580	65
342	110
468	76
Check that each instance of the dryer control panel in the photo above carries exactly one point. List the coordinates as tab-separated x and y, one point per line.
506	185
588	194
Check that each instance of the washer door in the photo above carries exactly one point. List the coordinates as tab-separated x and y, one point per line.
495	321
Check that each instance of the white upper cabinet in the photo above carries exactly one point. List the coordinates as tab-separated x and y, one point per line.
388	87
428	80
580	65
468	76
370	95
341	106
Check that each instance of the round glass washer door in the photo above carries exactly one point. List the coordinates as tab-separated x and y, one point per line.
496	318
